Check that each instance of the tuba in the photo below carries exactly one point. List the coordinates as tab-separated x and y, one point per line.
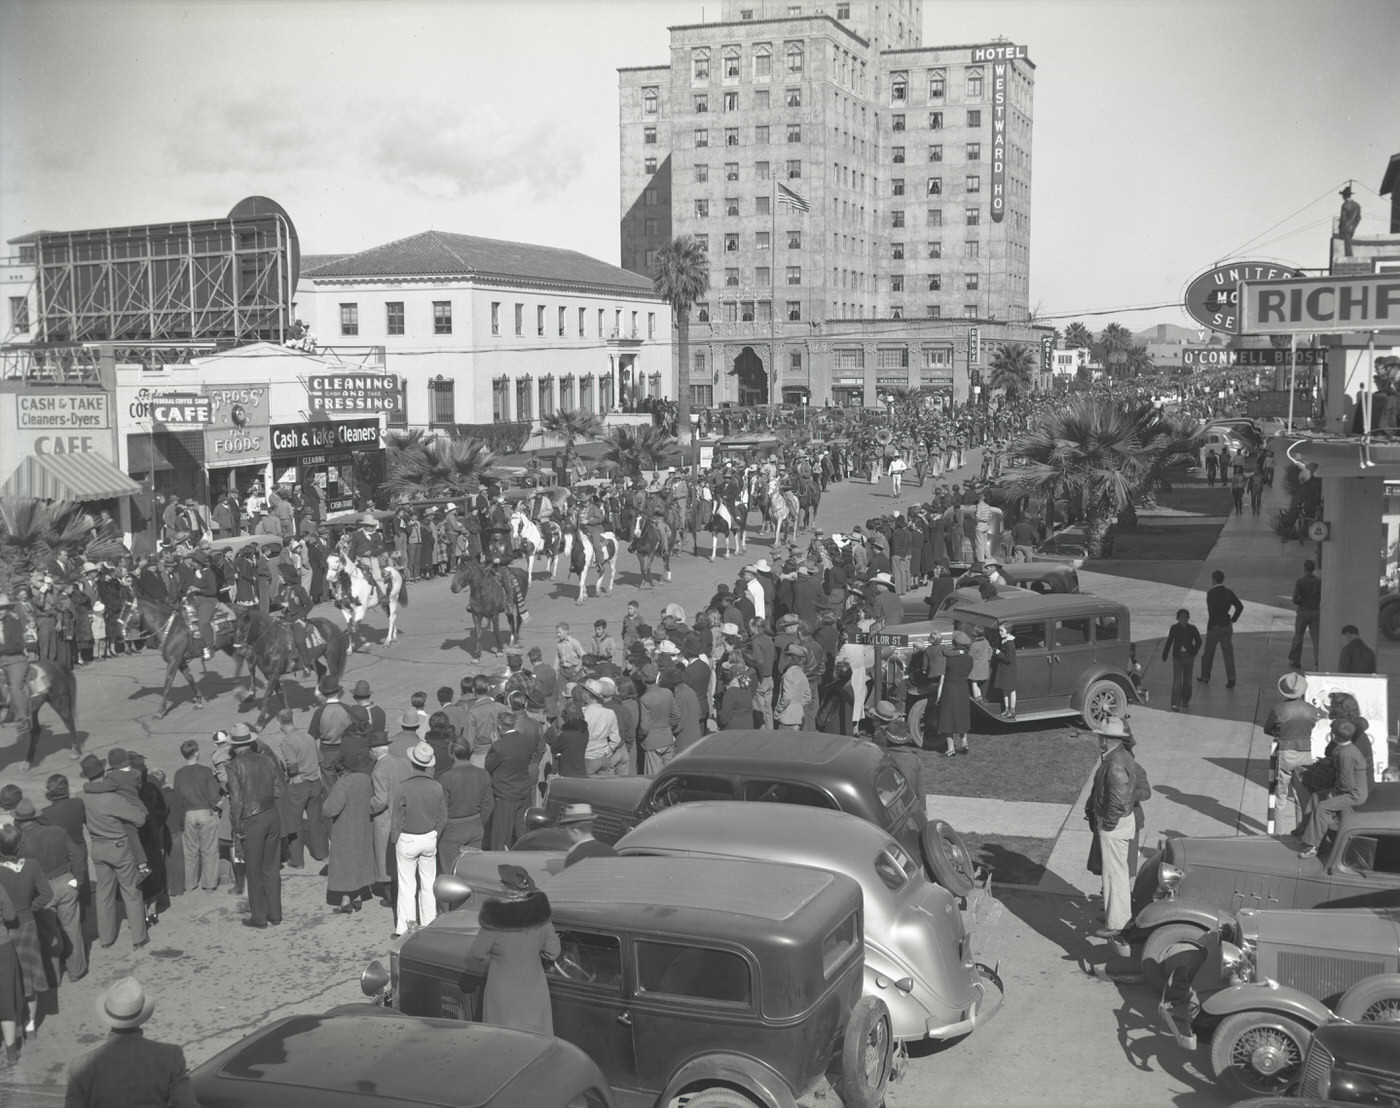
884	436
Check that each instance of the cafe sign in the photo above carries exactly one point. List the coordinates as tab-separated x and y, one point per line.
354	392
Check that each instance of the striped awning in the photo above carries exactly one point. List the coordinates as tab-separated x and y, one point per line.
69	477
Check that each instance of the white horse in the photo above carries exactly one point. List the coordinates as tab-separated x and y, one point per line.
528	537
605	561
785	507
356	595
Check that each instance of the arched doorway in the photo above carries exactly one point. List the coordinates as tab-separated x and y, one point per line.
753	378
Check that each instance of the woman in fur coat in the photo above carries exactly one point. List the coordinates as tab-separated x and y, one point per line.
515	940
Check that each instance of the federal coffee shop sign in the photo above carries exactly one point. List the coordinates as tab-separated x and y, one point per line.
1211	298
354	392
1321	304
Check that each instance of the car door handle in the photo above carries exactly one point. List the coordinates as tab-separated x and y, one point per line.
625	1019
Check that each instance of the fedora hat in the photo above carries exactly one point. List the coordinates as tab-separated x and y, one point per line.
884	711
422	756
125	1005
329	686
1292	685
241	734
762	566
594	687
1113	728
574	813
883	579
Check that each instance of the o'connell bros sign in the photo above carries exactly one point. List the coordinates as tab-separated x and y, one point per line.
1321	304
999	56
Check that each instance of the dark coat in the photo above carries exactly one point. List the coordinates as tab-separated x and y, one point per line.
514	936
351	864
129	1069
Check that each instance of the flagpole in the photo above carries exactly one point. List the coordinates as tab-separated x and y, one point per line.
773	281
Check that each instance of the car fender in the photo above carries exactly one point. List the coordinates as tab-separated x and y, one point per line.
1161	912
1097	673
754	1078
1267	997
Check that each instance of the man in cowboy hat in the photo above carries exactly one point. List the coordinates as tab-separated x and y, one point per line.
1291	723
254	788
201	586
887	605
15	664
128	1068
1111	804
366	549
1349	219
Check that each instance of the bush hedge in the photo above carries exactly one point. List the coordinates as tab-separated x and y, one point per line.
500	438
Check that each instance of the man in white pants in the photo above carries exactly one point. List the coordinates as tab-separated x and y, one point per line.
1111	804
897	467
418	818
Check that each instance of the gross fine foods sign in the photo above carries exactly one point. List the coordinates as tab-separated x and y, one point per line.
1211	299
354	392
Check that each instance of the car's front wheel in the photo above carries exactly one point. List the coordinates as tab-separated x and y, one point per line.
1258	1054
720	1097
867	1052
1372	1000
1102	699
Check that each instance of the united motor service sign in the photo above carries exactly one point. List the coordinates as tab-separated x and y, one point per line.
354	392
1211	298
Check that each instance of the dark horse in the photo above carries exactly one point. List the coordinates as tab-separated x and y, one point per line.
49	683
267	644
178	647
651	539
487	599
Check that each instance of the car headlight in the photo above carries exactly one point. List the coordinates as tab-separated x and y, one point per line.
1168	877
1341	1084
1235	964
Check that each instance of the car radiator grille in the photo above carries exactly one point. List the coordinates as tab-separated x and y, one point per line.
610	826
1319	1062
1323	976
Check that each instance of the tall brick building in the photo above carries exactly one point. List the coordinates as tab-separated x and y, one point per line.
865	199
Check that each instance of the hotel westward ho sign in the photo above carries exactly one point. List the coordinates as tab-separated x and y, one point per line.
999	56
1211	298
354	392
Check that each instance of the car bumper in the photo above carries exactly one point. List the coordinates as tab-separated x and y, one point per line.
991	994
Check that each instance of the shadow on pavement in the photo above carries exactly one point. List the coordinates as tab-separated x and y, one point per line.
1212	808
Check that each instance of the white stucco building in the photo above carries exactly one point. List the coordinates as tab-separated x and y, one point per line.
483	330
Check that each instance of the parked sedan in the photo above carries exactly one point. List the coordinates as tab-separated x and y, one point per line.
1353	1064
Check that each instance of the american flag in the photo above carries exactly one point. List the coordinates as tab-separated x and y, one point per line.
791	199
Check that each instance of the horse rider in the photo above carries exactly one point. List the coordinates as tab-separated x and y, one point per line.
15	662
366	549
509	585
594	522
296	608
200	587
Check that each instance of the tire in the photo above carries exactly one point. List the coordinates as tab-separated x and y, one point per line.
1103	698
1244	1042
947	858
721	1096
867	1053
1390	619
1169	949
1373	1000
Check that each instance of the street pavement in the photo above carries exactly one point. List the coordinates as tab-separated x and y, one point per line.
1068	1034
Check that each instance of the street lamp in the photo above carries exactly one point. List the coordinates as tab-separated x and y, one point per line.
804	409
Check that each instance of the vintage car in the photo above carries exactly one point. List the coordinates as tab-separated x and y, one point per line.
1042	576
361	1055
707	981
229	547
918	952
940	622
1259	987
1352	1063
782	767
1194	886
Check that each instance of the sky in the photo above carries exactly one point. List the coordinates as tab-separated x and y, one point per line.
1168	134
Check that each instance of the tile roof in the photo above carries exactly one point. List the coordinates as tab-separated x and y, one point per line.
439	253
311	262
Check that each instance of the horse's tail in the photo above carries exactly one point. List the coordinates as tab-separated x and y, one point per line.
61	690
337	646
403	592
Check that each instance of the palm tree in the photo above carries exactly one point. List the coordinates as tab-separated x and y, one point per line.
1164	444
32	531
1111	351
633	449
438	467
1104	451
1077	335
682	278
572	424
1013	369
1140	363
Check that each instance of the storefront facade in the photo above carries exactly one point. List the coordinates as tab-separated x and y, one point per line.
338	465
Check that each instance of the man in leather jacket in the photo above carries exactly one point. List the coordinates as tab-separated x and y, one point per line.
254	786
1111	804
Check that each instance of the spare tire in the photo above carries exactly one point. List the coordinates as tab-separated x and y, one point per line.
948	860
867	1052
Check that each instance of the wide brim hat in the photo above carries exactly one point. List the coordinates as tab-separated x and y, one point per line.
5	601
125	1005
1113	727
241	734
883	579
762	566
666	646
594	687
884	711
422	756
1292	685
674	611
731	629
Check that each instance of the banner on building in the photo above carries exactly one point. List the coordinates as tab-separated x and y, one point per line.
355	392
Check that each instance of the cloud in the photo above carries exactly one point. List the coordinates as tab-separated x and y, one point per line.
447	160
242	135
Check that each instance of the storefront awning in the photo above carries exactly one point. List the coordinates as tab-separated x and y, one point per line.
69	477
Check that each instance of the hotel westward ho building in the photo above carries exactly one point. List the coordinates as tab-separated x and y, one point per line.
865	199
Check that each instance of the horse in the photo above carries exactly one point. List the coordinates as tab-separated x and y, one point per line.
785	507
269	644
711	513
581	557
651	539
809	497
48	683
553	549
171	630
357	595
528	538
487	599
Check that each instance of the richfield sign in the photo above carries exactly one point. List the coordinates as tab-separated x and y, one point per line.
1327	304
1211	298
354	392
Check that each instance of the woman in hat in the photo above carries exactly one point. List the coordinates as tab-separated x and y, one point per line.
23	881
1004	668
981	652
838	702
516	938
954	687
736	710
350	867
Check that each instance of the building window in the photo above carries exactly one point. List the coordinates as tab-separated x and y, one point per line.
793	97
843	11
731	136
649	136
746	14
897	218
935	217
731	171
898	155
731	63
582	321
937	357
562	323
349	319
444	404
442	317
703	241
539	320
648	229
794	310
702	102
566	391
524	394
897	186
520	319
585	392
649	100
935	250
746	311
973	249
794	59
897	251
731	205
974	151
393	317
731	278
935	283
702	137
702	396
897	283
974	84
762	205
973	216
731	242
19	314
970	281
763	240
935	186
651	325
702	174
974	117
974	183
500	399
794	240
760	100
702	313
897	122
937	79
762	275
649	165
700	64
850	359
933	311
970	311
602	326
935	152
731	101
760	135
892	357
935	121
702	209
760	171
794	275
546	394
896	311
794	169
795	360
899	87
794	132
650	198
762	61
